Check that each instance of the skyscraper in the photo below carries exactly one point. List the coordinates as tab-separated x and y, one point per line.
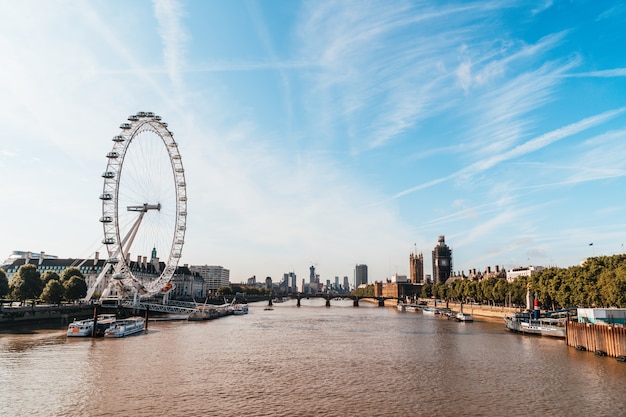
360	275
416	268
442	261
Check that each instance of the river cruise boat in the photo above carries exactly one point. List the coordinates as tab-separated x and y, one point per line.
80	328
429	311
544	326
84	328
412	307
125	327
240	309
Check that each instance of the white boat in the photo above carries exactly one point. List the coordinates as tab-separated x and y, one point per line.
240	309
401	307
431	311
125	327
84	328
80	328
543	326
412	307
464	317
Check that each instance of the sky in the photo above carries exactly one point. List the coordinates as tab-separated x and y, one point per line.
326	133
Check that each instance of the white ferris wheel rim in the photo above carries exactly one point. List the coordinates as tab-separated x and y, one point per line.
114	237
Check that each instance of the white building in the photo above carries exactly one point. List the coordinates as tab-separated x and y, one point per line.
214	276
522	271
398	278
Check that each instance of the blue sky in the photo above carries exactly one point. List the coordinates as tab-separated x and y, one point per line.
326	132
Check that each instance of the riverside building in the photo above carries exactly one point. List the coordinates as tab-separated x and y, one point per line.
214	276
416	265
442	261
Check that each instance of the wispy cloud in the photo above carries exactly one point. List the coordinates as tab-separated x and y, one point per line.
169	14
527	147
542	7
542	141
616	72
395	86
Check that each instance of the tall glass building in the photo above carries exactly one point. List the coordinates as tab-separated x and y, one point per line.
360	275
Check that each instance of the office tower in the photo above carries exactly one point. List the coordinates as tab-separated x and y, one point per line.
360	275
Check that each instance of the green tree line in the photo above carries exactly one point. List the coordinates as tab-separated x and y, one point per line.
598	282
28	284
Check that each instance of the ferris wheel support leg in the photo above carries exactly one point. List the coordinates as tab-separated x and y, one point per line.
130	237
92	289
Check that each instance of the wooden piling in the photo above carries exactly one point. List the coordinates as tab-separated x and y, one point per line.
597	338
95	321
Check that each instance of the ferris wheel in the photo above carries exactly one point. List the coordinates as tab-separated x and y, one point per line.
144	209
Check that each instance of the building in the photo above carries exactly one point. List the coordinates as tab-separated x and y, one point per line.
401	289
214	276
442	262
346	284
603	316
185	282
294	282
397	278
20	254
360	275
416	268
522	271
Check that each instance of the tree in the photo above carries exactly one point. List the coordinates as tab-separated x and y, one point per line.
224	291
75	288
26	283
49	275
4	284
70	272
53	292
613	287
500	291
427	291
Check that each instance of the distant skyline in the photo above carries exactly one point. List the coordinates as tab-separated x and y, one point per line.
326	133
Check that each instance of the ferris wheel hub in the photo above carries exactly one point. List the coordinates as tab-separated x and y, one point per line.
145	207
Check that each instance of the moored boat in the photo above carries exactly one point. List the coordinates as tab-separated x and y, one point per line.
80	328
430	311
412	307
464	317
125	327
84	328
240	309
543	326
203	313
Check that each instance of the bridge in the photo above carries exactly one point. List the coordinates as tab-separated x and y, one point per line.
328	297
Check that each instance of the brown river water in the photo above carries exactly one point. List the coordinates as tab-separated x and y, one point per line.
308	361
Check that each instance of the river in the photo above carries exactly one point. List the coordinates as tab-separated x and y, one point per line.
307	361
